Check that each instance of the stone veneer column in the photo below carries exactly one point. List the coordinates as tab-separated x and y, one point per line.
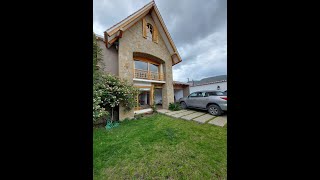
126	73
167	88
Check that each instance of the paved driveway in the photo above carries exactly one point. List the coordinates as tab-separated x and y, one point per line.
200	116
205	111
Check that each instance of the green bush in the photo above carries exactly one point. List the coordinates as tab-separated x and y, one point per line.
108	90
174	107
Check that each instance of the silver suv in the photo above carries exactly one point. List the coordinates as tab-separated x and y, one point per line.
213	101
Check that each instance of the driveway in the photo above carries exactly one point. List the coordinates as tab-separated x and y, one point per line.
200	116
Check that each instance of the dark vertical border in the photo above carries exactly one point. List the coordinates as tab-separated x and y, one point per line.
268	131
48	80
50	70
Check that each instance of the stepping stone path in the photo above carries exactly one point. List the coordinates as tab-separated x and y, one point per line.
204	118
199	117
191	116
175	112
182	114
219	121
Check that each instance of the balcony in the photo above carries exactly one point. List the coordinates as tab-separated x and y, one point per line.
149	75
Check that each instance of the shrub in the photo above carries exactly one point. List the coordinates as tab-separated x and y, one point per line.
112	91
108	90
174	107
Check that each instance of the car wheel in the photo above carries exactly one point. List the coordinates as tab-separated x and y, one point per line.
214	110
183	105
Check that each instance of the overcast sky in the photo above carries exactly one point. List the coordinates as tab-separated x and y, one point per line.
197	27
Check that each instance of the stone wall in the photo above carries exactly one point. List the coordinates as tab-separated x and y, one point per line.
133	41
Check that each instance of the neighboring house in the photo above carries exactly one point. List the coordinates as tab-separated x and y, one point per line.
140	50
211	83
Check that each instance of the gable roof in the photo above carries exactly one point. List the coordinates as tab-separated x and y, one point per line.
114	32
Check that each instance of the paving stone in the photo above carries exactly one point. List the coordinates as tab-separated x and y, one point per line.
183	114
143	111
191	116
204	118
176	112
163	111
219	121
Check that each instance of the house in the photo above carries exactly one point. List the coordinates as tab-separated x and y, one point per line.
210	83
140	50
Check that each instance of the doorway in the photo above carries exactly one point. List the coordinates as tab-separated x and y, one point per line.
144	99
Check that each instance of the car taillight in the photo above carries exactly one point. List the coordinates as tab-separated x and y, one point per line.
225	98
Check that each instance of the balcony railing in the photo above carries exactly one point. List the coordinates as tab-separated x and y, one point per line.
144	74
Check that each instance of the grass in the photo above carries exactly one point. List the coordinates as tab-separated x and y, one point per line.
160	147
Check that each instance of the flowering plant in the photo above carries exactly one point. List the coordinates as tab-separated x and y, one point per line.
109	91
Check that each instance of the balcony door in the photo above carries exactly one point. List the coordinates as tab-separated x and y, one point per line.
145	69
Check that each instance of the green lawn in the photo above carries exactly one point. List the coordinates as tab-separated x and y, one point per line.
160	147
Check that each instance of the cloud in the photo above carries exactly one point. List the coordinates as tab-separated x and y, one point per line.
198	28
206	58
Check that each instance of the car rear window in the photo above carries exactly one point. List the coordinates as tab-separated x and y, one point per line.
217	93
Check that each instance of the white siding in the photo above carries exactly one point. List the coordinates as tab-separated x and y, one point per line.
223	87
178	93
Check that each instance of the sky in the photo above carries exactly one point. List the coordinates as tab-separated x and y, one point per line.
197	27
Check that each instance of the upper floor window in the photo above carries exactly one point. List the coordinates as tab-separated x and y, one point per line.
145	69
154	67
141	65
149	31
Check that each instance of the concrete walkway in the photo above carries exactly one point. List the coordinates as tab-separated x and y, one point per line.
199	117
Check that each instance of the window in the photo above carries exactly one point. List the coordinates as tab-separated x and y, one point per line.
197	94
215	93
149	31
201	94
153	67
147	69
193	95
141	65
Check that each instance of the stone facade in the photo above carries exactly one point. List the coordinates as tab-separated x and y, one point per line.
133	41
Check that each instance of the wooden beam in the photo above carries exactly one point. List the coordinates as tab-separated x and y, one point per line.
113	40
131	19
